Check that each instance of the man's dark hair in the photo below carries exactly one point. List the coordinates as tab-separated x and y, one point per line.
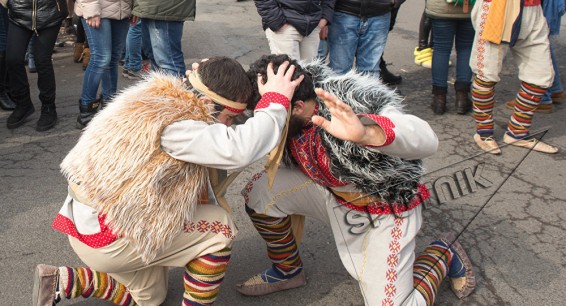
303	92
226	77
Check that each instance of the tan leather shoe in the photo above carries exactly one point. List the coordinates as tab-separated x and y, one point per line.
533	143
461	286
558	97
45	285
256	286
487	144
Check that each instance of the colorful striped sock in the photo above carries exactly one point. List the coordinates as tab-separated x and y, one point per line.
430	268
482	99
85	282
281	246
203	277
527	100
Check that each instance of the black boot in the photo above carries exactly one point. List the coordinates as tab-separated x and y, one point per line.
103	103
87	112
463	102
386	76
48	117
24	109
438	104
5	102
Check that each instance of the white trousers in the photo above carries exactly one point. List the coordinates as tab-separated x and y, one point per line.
211	231
531	51
378	253
288	40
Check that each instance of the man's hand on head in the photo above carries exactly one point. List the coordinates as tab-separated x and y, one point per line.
280	81
194	67
345	124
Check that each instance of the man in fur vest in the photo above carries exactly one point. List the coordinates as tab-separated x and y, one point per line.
363	178
135	177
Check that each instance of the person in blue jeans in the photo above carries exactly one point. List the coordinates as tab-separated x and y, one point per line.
556	92
162	24
553	11
450	23
133	54
359	31
106	27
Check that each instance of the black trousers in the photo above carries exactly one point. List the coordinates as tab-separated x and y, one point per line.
18	40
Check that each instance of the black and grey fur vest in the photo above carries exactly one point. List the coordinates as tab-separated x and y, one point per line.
393	179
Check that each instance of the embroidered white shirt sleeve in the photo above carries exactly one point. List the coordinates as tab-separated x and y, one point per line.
222	147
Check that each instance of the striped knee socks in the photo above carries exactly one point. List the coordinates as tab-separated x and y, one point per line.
430	268
527	100
482	98
85	282
281	246
203	277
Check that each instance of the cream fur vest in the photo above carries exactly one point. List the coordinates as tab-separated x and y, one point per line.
146	195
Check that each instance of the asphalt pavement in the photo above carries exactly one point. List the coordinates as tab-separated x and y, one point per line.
507	209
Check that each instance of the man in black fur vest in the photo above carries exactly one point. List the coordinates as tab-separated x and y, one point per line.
353	161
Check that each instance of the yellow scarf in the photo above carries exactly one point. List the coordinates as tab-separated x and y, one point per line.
499	24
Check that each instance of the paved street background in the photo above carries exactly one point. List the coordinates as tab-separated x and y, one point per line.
510	214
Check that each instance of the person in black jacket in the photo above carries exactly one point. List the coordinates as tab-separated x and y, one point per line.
295	27
43	19
359	31
6	102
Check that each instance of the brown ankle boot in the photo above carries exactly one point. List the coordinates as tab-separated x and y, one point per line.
78	52
438	104
85	57
463	102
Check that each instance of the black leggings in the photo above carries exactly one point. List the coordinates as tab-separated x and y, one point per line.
18	39
425	32
81	36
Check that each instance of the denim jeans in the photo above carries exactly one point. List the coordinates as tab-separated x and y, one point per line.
165	38
556	84
445	32
106	44
133	58
352	37
17	44
322	49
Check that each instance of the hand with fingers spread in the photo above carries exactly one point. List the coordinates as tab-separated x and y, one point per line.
345	124
280	81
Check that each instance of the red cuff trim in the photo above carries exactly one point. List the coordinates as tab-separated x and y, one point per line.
386	125
273	97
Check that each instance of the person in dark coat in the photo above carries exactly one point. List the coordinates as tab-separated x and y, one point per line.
295	27
43	19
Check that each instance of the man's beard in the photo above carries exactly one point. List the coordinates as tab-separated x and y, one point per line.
297	125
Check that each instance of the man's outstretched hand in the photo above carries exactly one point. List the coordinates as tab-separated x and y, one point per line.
345	124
